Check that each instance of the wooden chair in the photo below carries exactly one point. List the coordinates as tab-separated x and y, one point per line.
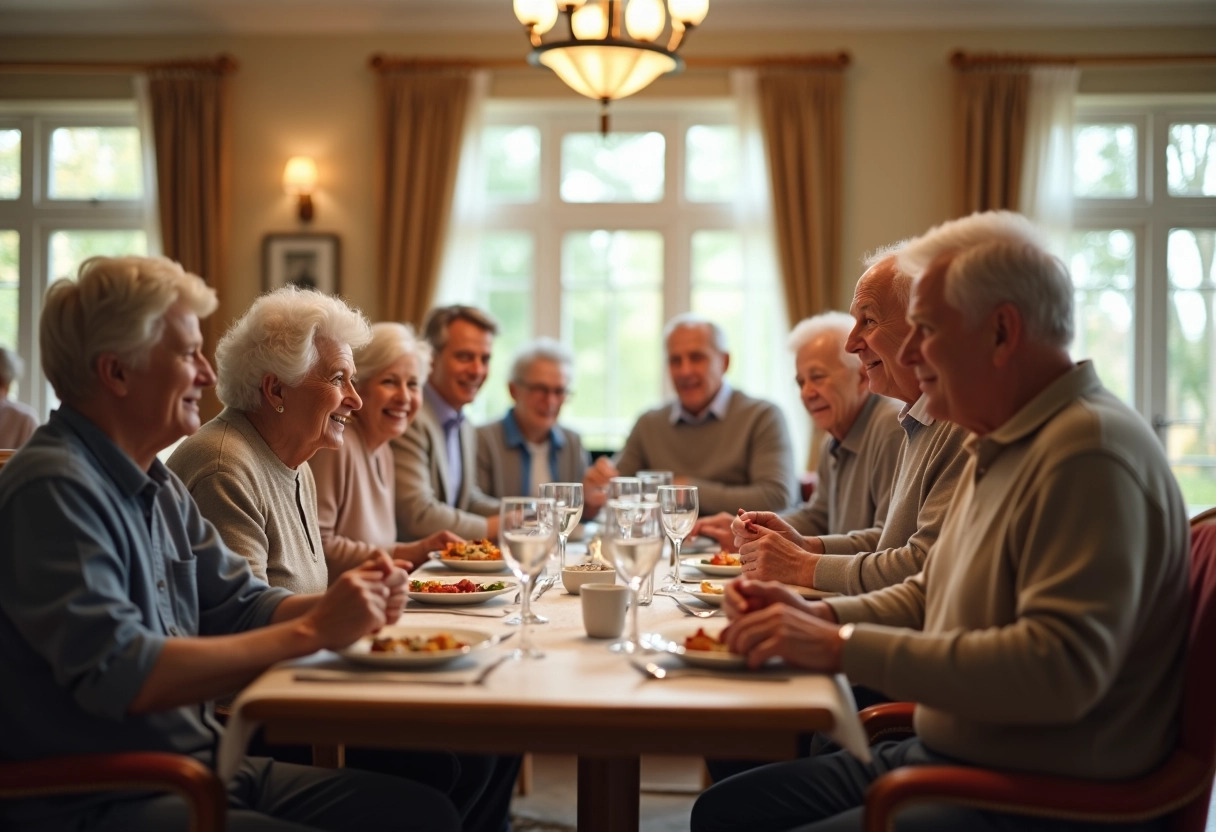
1179	789
142	770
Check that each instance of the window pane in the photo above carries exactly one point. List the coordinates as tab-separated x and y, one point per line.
1103	271
10	243
619	167
71	248
505	291
10	164
512	163
1104	163
95	163
1191	363
612	317
1191	160
711	167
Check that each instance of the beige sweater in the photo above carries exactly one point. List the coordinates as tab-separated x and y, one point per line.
1046	632
264	511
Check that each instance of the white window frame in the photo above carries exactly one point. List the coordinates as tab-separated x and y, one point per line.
35	216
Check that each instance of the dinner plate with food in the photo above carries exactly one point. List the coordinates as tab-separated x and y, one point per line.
721	565
470	556
412	647
698	647
710	592
456	592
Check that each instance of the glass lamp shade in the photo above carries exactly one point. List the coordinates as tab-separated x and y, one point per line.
606	72
688	12
300	176
644	19
539	14
589	22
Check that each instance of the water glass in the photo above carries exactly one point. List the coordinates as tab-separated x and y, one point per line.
527	534
678	507
568	497
634	539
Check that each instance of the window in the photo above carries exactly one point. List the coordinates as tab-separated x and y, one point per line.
598	241
1142	259
71	187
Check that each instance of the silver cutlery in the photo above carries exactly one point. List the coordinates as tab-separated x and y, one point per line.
399	678
543	586
657	671
499	613
692	610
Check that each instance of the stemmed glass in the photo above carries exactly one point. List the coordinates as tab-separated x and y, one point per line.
527	532
568	497
678	506
651	480
634	540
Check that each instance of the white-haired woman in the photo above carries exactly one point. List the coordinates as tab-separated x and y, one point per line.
286	377
355	483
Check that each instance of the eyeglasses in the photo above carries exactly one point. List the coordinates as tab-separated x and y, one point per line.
545	391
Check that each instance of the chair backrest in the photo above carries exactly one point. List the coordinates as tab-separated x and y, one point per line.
1199	689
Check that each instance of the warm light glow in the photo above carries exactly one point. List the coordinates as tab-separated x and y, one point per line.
607	72
569	5
590	22
644	19
688	12
540	15
300	176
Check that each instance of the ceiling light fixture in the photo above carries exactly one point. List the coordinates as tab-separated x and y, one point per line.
600	60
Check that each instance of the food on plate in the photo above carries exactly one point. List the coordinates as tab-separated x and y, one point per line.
711	588
589	567
471	550
723	559
463	585
416	644
703	641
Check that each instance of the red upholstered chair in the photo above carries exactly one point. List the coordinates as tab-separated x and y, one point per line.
130	770
1179	789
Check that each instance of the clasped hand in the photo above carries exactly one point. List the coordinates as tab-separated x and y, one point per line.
360	601
768	619
770	549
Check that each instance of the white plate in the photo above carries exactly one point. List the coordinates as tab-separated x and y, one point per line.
459	598
710	569
360	651
671	640
809	592
714	599
464	565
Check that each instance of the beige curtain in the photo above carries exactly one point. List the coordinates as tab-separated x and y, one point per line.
800	109
189	134
990	124
422	115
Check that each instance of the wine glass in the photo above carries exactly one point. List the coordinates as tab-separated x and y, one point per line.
568	497
651	480
634	539
678	506
527	533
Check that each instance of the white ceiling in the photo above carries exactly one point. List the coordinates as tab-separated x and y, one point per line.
32	17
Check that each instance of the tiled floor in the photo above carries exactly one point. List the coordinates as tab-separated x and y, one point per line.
669	787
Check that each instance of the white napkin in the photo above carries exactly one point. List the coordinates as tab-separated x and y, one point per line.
846	727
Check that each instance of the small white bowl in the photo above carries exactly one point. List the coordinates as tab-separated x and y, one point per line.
573	579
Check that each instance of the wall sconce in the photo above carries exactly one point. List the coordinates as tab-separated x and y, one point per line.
299	180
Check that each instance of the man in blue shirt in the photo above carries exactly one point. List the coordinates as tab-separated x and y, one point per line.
122	613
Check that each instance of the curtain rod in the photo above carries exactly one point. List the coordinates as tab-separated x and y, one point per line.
388	63
223	63
970	60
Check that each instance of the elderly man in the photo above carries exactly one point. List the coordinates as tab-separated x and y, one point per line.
436	458
734	448
930	463
1043	636
122	613
527	447
858	457
17	420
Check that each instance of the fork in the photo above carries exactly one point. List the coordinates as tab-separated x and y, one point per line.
693	611
543	586
657	671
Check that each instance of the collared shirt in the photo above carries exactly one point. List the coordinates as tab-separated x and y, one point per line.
449	418
716	410
100	564
514	438
915	416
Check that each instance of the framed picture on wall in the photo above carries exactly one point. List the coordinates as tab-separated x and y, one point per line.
309	261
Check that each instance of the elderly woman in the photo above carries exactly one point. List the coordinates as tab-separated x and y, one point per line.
355	502
286	377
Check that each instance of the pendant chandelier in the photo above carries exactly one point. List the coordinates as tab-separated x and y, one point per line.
601	59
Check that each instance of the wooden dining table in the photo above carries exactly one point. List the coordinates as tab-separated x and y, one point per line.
580	698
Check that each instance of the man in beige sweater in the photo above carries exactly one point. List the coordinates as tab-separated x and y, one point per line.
1043	635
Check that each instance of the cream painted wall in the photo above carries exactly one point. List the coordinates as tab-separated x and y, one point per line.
315	96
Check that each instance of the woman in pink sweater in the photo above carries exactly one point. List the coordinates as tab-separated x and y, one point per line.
355	504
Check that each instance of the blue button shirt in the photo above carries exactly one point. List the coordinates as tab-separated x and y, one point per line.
514	438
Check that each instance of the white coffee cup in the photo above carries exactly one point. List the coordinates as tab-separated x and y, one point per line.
604	609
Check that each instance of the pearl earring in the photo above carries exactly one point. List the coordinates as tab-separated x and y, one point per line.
279	408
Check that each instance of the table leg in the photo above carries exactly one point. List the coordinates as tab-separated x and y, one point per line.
608	793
